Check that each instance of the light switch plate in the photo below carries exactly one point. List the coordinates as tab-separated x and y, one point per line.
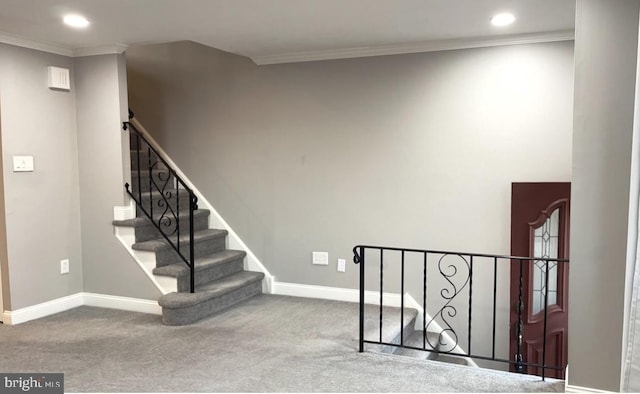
342	265
320	258
22	163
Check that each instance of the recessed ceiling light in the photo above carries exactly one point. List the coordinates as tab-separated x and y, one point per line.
504	19
77	21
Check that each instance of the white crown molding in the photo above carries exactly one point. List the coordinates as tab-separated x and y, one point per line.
37	45
427	46
114	49
57	49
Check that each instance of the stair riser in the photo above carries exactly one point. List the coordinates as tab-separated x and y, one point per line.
209	275
201	248
160	181
188	315
149	231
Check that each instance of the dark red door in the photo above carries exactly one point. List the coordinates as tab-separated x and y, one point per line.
539	229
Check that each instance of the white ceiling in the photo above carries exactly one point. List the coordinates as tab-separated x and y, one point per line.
271	31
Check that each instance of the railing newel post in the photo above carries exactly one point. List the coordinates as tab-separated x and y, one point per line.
192	267
544	325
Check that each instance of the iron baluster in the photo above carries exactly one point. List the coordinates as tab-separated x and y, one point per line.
381	289
495	289
519	363
192	265
402	299
424	301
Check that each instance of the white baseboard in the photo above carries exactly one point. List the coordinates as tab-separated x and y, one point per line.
334	293
122	303
58	305
38	311
577	389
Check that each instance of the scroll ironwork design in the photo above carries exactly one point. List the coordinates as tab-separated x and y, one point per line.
450	272
164	199
455	285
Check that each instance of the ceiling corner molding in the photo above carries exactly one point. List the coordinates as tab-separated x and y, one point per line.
37	45
427	46
114	49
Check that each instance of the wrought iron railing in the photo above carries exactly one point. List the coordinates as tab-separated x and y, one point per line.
160	194
448	284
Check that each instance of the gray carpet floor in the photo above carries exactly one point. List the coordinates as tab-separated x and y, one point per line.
266	344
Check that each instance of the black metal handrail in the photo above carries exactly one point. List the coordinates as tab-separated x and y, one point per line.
164	187
448	293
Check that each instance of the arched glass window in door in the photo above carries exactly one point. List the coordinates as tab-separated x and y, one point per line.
546	245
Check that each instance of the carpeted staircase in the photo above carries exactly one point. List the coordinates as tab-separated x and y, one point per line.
220	280
410	337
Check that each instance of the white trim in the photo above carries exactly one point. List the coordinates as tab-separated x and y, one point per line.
215	219
63	50
37	45
114	49
58	305
578	389
146	260
426	46
334	293
41	310
1	299
125	212
122	303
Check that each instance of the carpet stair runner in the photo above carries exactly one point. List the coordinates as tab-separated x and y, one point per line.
220	279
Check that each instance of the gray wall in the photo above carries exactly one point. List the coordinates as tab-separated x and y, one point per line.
64	208
415	150
605	75
101	107
5	295
42	207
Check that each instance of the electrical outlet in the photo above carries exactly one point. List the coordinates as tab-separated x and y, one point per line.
64	266
320	258
342	265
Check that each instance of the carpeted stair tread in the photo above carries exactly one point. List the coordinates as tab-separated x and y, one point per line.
157	245
415	339
144	221
210	291
202	263
391	325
